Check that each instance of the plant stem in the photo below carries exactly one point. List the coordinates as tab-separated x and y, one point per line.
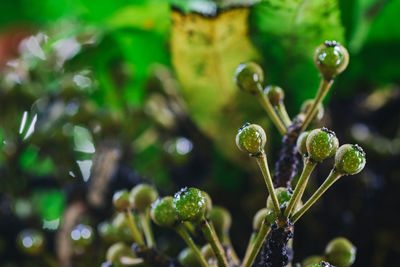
322	91
263	164
284	115
271	111
189	226
212	238
136	235
148	233
255	248
249	247
309	166
181	230
332	177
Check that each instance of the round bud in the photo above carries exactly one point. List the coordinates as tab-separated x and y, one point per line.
142	196
221	219
251	138
258	219
120	225
31	242
349	159
121	200
321	144
187	258
283	195
118	250
311	260
163	212
340	252
190	204
82	235
301	143
209	203
249	76
207	252
331	59
275	94
307	105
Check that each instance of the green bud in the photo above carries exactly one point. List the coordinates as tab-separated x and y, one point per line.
209	203
349	159
82	236
120	225
251	138
321	144
249	76
121	200
163	212
31	242
258	219
271	216
221	219
142	196
283	195
188	259
190	204
312	260
340	252
307	105
208	253
331	59
301	143
275	94
118	250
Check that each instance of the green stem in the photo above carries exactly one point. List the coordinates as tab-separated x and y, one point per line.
322	91
249	246
271	111
212	238
181	230
309	166
148	233
255	248
284	115
263	164
189	226
136	235
332	177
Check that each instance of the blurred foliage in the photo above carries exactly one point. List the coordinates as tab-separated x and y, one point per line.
86	74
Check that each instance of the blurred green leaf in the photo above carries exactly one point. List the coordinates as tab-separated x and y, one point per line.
31	162
49	203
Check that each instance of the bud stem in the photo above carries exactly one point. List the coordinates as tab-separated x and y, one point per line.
212	238
249	247
323	89
256	244
284	115
263	164
180	229
270	110
136	235
148	233
309	166
332	178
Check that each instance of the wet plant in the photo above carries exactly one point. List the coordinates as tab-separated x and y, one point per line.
205	228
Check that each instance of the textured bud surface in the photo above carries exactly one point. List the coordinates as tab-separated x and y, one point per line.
251	138
331	59
321	144
190	204
349	159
